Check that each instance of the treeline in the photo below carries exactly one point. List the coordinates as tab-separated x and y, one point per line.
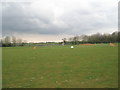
94	38
12	41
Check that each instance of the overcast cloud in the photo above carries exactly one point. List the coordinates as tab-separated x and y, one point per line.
59	17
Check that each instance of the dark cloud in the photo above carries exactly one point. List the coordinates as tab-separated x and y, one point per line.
54	18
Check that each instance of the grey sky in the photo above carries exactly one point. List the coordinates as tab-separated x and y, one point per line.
51	20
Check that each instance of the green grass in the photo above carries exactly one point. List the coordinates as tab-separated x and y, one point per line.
60	67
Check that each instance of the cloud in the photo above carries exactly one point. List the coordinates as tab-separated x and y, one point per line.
54	17
20	18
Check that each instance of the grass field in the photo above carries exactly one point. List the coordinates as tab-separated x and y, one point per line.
60	67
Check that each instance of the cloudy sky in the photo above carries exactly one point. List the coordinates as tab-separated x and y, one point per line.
52	20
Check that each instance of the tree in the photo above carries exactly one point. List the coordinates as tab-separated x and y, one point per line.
6	41
76	39
19	42
24	42
84	38
114	36
64	41
70	39
14	40
118	36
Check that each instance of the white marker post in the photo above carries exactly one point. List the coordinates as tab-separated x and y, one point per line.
72	47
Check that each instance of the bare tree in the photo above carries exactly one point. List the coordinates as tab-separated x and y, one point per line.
64	41
19	42
14	40
7	41
70	39
84	37
76	39
118	39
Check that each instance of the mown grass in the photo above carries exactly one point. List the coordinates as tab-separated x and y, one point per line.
60	67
